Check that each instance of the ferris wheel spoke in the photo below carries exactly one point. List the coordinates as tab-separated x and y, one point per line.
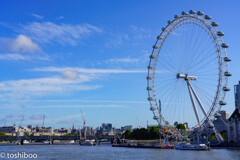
199	60
198	37
199	67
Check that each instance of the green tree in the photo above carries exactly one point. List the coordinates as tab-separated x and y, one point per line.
154	133
140	134
26	134
72	134
224	134
127	134
180	126
2	134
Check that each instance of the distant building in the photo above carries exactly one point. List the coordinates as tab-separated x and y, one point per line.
237	96
128	127
224	115
89	131
106	127
9	130
185	125
221	123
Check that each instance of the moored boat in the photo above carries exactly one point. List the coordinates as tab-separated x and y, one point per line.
188	146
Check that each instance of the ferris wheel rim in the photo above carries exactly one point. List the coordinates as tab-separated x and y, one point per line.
222	80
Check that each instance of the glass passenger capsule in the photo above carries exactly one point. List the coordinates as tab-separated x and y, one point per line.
210	125
150	67
184	13
217	115
155	47
150	98
152	108
222	103
159	37
207	17
155	117
200	13
224	45
227	59
214	24
192	12
176	16
149	88
152	56
227	74
226	89
219	33
149	78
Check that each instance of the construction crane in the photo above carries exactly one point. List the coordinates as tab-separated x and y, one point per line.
84	122
43	120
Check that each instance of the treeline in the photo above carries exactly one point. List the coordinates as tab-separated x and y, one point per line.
142	134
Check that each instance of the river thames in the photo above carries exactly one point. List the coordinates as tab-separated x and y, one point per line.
107	152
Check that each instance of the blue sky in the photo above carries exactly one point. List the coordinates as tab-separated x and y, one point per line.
60	56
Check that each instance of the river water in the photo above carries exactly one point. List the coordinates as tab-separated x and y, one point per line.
107	152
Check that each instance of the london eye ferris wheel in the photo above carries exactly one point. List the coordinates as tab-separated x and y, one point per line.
188	71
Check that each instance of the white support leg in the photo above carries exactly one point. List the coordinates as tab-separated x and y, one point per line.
219	137
193	103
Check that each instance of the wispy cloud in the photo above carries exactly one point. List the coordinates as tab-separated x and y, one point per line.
19	57
60	17
86	70
134	36
124	60
44	86
13	56
78	106
65	122
48	32
36	117
37	16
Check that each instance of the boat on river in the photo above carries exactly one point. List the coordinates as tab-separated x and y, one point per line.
88	143
188	146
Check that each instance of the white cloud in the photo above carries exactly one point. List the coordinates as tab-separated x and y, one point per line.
44	86
37	16
17	57
70	74
124	60
13	56
22	44
87	70
48	32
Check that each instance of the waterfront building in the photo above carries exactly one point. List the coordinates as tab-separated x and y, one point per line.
185	125
9	130
234	127
237	96
234	120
